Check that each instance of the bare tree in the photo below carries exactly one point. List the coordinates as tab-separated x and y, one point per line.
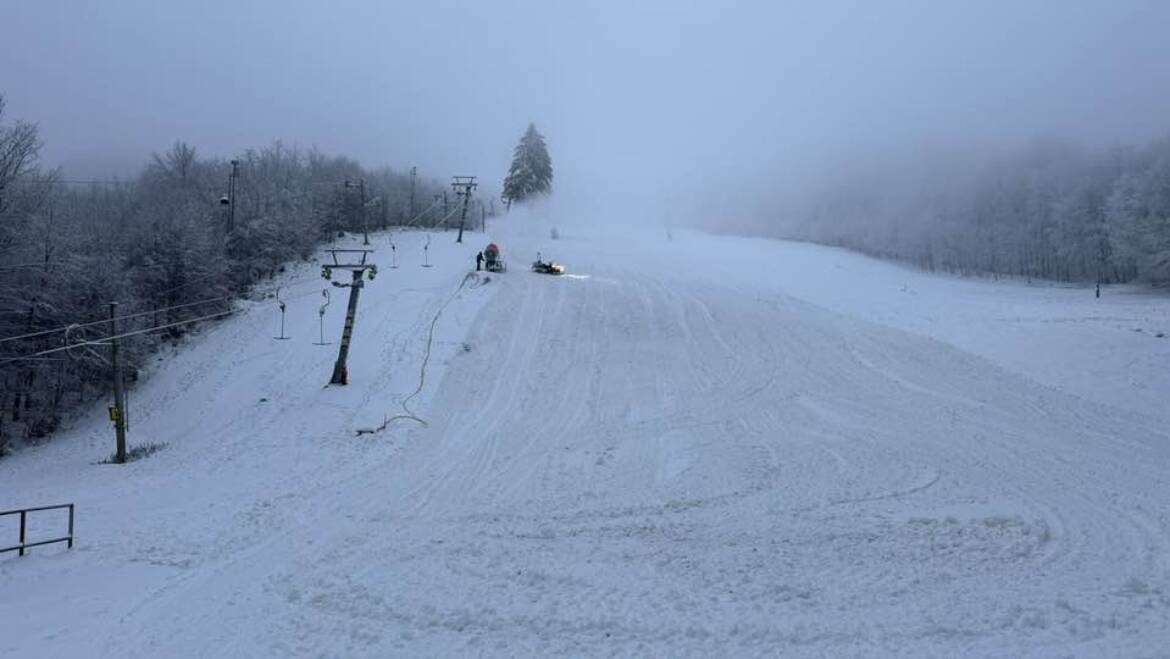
156	242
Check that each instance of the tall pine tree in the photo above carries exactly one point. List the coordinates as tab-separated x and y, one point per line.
531	171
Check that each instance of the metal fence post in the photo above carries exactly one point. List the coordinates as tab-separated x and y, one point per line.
24	545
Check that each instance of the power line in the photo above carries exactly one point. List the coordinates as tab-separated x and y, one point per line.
18	266
315	291
422	213
135	315
94	181
126	317
193	281
102	340
170	308
446	217
99	322
30	335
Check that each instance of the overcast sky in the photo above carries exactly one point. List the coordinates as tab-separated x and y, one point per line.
648	98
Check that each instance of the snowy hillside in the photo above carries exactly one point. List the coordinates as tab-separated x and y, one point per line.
706	446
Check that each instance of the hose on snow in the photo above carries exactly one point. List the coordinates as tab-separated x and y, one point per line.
408	414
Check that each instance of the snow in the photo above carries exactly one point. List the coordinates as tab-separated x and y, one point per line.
706	446
1113	350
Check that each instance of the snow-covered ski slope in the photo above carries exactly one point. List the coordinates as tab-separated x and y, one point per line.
708	446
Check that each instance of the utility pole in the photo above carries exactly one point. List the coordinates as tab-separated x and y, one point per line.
229	199
362	191
463	185
232	195
365	215
413	174
119	411
340	373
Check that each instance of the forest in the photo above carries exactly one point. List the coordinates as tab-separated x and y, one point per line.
178	243
1050	209
172	245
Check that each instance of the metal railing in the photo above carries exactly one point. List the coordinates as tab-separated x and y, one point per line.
23	512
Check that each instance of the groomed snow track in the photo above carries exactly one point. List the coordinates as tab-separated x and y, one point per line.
637	460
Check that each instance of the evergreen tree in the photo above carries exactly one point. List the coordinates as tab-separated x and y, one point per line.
531	171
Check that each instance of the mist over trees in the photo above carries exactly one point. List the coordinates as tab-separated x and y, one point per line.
164	245
1051	209
531	171
160	245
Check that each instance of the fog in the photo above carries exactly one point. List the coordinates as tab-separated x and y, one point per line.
683	109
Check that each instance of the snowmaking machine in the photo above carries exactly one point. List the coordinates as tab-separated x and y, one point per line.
492	261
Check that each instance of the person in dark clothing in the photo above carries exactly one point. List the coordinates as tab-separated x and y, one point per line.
478	261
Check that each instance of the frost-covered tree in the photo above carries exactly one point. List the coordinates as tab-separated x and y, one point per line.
1050	209
1138	213
19	147
531	173
156	243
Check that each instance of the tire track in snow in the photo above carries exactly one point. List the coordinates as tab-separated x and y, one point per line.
713	472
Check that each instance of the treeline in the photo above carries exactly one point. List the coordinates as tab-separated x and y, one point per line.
1051	210
165	245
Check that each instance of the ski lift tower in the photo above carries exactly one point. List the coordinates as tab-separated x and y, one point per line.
356	261
463	185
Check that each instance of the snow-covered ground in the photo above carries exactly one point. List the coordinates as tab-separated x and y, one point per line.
712	446
1113	350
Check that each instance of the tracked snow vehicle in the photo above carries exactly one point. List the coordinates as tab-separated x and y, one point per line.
547	268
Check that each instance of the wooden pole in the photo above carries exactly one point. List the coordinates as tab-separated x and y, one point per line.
413	174
119	392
